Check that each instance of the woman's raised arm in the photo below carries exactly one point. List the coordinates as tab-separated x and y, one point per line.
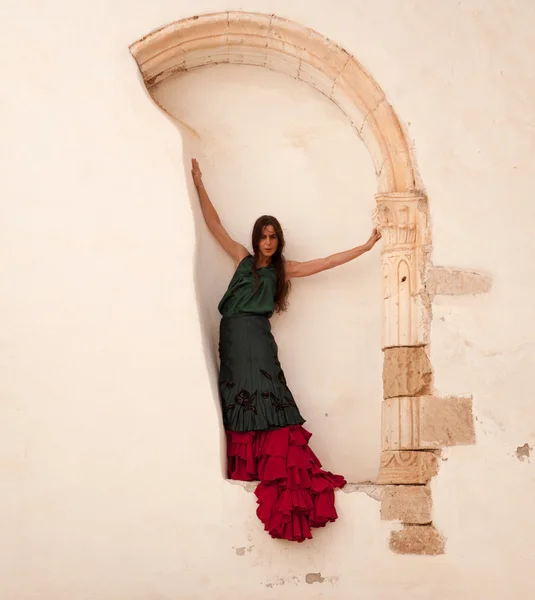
235	250
311	267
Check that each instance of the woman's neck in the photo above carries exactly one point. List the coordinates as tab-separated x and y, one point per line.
262	261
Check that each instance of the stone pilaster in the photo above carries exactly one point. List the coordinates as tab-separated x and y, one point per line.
402	219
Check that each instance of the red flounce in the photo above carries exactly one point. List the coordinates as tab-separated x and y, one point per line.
294	493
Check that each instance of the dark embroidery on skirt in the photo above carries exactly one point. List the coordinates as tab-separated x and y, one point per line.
265	395
277	403
291	401
246	400
230	384
281	377
266	374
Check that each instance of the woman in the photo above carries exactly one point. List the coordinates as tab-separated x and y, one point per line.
265	437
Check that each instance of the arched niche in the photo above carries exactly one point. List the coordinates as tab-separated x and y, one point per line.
410	412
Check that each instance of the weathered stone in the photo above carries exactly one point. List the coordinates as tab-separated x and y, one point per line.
407	467
406	372
446	422
456	282
427	422
417	539
407	503
522	452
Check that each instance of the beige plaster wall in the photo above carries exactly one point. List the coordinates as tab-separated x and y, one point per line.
110	448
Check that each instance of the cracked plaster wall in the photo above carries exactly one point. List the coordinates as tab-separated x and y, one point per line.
109	449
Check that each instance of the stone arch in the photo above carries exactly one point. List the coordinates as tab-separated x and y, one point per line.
289	48
414	423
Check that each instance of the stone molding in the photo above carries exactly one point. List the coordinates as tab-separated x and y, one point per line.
406	467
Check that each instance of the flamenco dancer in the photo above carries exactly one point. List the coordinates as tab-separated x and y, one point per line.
266	440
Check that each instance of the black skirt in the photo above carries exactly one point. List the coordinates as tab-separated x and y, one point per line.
252	387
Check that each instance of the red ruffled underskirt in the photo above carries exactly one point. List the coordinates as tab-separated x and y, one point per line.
294	493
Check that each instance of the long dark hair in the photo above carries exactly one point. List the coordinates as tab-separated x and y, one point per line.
277	260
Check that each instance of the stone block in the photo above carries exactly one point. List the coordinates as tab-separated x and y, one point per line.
417	539
446	422
456	282
408	467
406	503
406	372
248	24
427	422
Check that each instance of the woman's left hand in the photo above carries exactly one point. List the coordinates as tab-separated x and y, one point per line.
373	239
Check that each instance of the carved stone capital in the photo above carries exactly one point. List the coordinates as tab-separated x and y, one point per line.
402	219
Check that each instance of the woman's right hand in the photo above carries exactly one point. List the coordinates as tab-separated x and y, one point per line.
373	239
196	173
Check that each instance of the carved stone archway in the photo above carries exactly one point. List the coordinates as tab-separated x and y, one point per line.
415	424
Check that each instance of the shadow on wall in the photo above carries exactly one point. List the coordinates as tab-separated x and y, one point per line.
270	145
208	270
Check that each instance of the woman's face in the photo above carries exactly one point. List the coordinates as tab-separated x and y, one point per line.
269	241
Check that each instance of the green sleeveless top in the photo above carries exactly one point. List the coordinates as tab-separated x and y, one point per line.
247	296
